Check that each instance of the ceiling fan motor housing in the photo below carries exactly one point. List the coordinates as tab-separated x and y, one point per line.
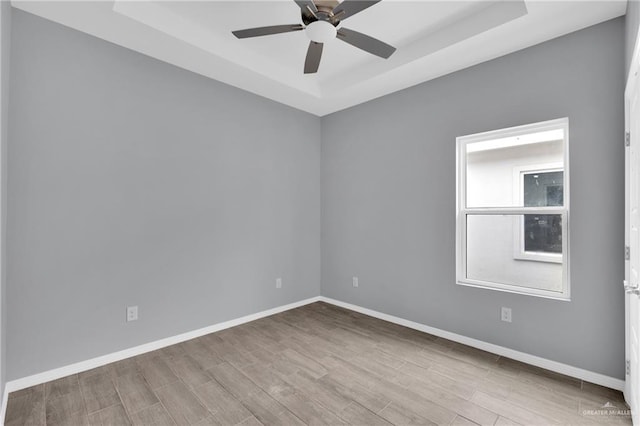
324	12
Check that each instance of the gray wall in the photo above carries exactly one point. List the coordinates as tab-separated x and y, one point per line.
5	38
632	21
389	185
133	182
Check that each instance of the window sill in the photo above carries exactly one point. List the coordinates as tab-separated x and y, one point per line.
536	257
546	294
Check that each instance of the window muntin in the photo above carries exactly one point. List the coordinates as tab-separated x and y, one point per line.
513	210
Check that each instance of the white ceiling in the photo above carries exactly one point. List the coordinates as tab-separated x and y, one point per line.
433	38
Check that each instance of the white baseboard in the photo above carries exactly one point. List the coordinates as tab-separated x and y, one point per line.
57	373
558	367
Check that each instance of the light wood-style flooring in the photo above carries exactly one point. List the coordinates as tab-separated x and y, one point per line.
317	365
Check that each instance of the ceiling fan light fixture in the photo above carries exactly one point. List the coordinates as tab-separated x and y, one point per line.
321	31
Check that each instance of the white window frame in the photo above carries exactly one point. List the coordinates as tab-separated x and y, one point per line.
462	211
518	227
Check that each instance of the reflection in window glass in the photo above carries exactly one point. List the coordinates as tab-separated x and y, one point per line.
543	233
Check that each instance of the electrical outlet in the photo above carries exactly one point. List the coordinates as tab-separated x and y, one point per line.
132	313
505	314
355	281
278	282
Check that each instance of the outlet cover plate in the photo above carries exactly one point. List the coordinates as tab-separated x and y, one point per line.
132	313
505	314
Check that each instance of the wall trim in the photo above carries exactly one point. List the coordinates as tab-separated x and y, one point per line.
79	367
558	367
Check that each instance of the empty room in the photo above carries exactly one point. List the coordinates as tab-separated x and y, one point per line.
319	212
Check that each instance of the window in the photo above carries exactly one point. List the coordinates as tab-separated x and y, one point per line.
513	193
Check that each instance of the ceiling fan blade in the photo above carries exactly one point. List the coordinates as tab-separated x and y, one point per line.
263	31
308	7
314	53
349	8
366	43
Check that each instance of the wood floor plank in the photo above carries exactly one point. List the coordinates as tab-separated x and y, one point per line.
496	384
269	411
306	409
66	409
156	371
267	379
98	391
356	414
317	391
205	358
454	403
283	366
62	386
354	391
561	409
125	366
154	415
433	378
251	421
401	416
600	393
307	364
402	397
310	346
103	370
233	380
510	410
264	356
26	408
409	400
174	351
210	421
114	415
503	421
473	356
79	418
26	391
239	338
189	371
182	405
468	374
371	362
461	421
135	392
241	359
551	380
225	407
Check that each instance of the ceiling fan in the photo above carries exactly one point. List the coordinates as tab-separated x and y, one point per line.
321	19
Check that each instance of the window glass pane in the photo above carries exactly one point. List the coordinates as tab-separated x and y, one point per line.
542	189
492	252
498	173
542	233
